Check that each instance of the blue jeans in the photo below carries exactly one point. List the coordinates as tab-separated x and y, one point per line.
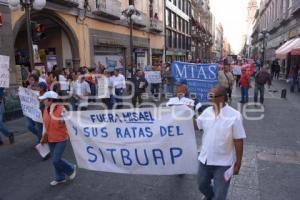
259	88
245	94
62	167
36	128
3	128
220	187
118	98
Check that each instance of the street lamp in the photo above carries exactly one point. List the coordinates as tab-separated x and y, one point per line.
263	35
28	5
130	15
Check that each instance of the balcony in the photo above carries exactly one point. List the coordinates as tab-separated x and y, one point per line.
156	25
110	9
140	21
68	3
195	33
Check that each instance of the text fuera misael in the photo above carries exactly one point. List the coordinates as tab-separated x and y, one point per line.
132	132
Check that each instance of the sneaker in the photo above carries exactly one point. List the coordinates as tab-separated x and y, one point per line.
54	183
73	175
1	142
11	138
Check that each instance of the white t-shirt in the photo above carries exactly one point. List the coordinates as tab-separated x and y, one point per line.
182	101
219	133
81	88
64	84
119	82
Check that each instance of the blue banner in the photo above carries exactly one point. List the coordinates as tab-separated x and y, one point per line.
200	78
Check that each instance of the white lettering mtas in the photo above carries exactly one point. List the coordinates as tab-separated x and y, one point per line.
144	141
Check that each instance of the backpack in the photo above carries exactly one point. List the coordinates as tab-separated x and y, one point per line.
261	78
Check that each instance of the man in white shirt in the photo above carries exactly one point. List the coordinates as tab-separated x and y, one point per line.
81	90
180	99
119	84
222	145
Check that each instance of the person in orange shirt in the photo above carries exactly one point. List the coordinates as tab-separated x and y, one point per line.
56	135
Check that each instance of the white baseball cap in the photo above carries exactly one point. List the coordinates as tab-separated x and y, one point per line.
49	95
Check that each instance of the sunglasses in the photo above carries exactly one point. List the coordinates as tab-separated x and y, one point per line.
213	95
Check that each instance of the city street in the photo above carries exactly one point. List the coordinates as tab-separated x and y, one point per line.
270	169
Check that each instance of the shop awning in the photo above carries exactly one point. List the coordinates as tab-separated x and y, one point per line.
291	46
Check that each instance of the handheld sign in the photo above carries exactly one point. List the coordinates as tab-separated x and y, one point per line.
153	76
30	104
200	78
4	71
153	141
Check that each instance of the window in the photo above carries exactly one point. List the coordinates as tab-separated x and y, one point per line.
172	20
174	40
183	5
179	23
183	25
179	41
186	27
167	18
131	2
179	4
175	21
183	42
175	2
169	38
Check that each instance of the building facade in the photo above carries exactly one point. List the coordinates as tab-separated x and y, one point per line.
276	22
202	31
85	33
178	30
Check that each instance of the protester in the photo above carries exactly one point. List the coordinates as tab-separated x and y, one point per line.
222	144
293	75
237	72
63	82
275	68
245	83
168	79
35	127
91	79
3	129
119	86
56	135
181	96
109	101
80	92
226	79
140	85
261	78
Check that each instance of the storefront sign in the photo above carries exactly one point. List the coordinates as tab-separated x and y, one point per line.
145	141
200	78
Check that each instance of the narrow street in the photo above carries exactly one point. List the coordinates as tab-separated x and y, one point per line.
270	170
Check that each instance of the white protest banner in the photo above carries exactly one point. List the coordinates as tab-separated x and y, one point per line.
103	87
30	104
153	76
4	71
153	141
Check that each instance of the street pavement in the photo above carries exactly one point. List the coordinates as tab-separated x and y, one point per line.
270	170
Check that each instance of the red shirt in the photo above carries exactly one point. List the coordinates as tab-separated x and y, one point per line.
245	80
55	128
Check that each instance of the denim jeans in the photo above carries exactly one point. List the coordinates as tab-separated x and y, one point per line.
261	89
220	187
3	128
36	128
244	94
118	97
62	167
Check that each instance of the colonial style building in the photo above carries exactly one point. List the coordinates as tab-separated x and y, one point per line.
277	22
178	30
89	33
